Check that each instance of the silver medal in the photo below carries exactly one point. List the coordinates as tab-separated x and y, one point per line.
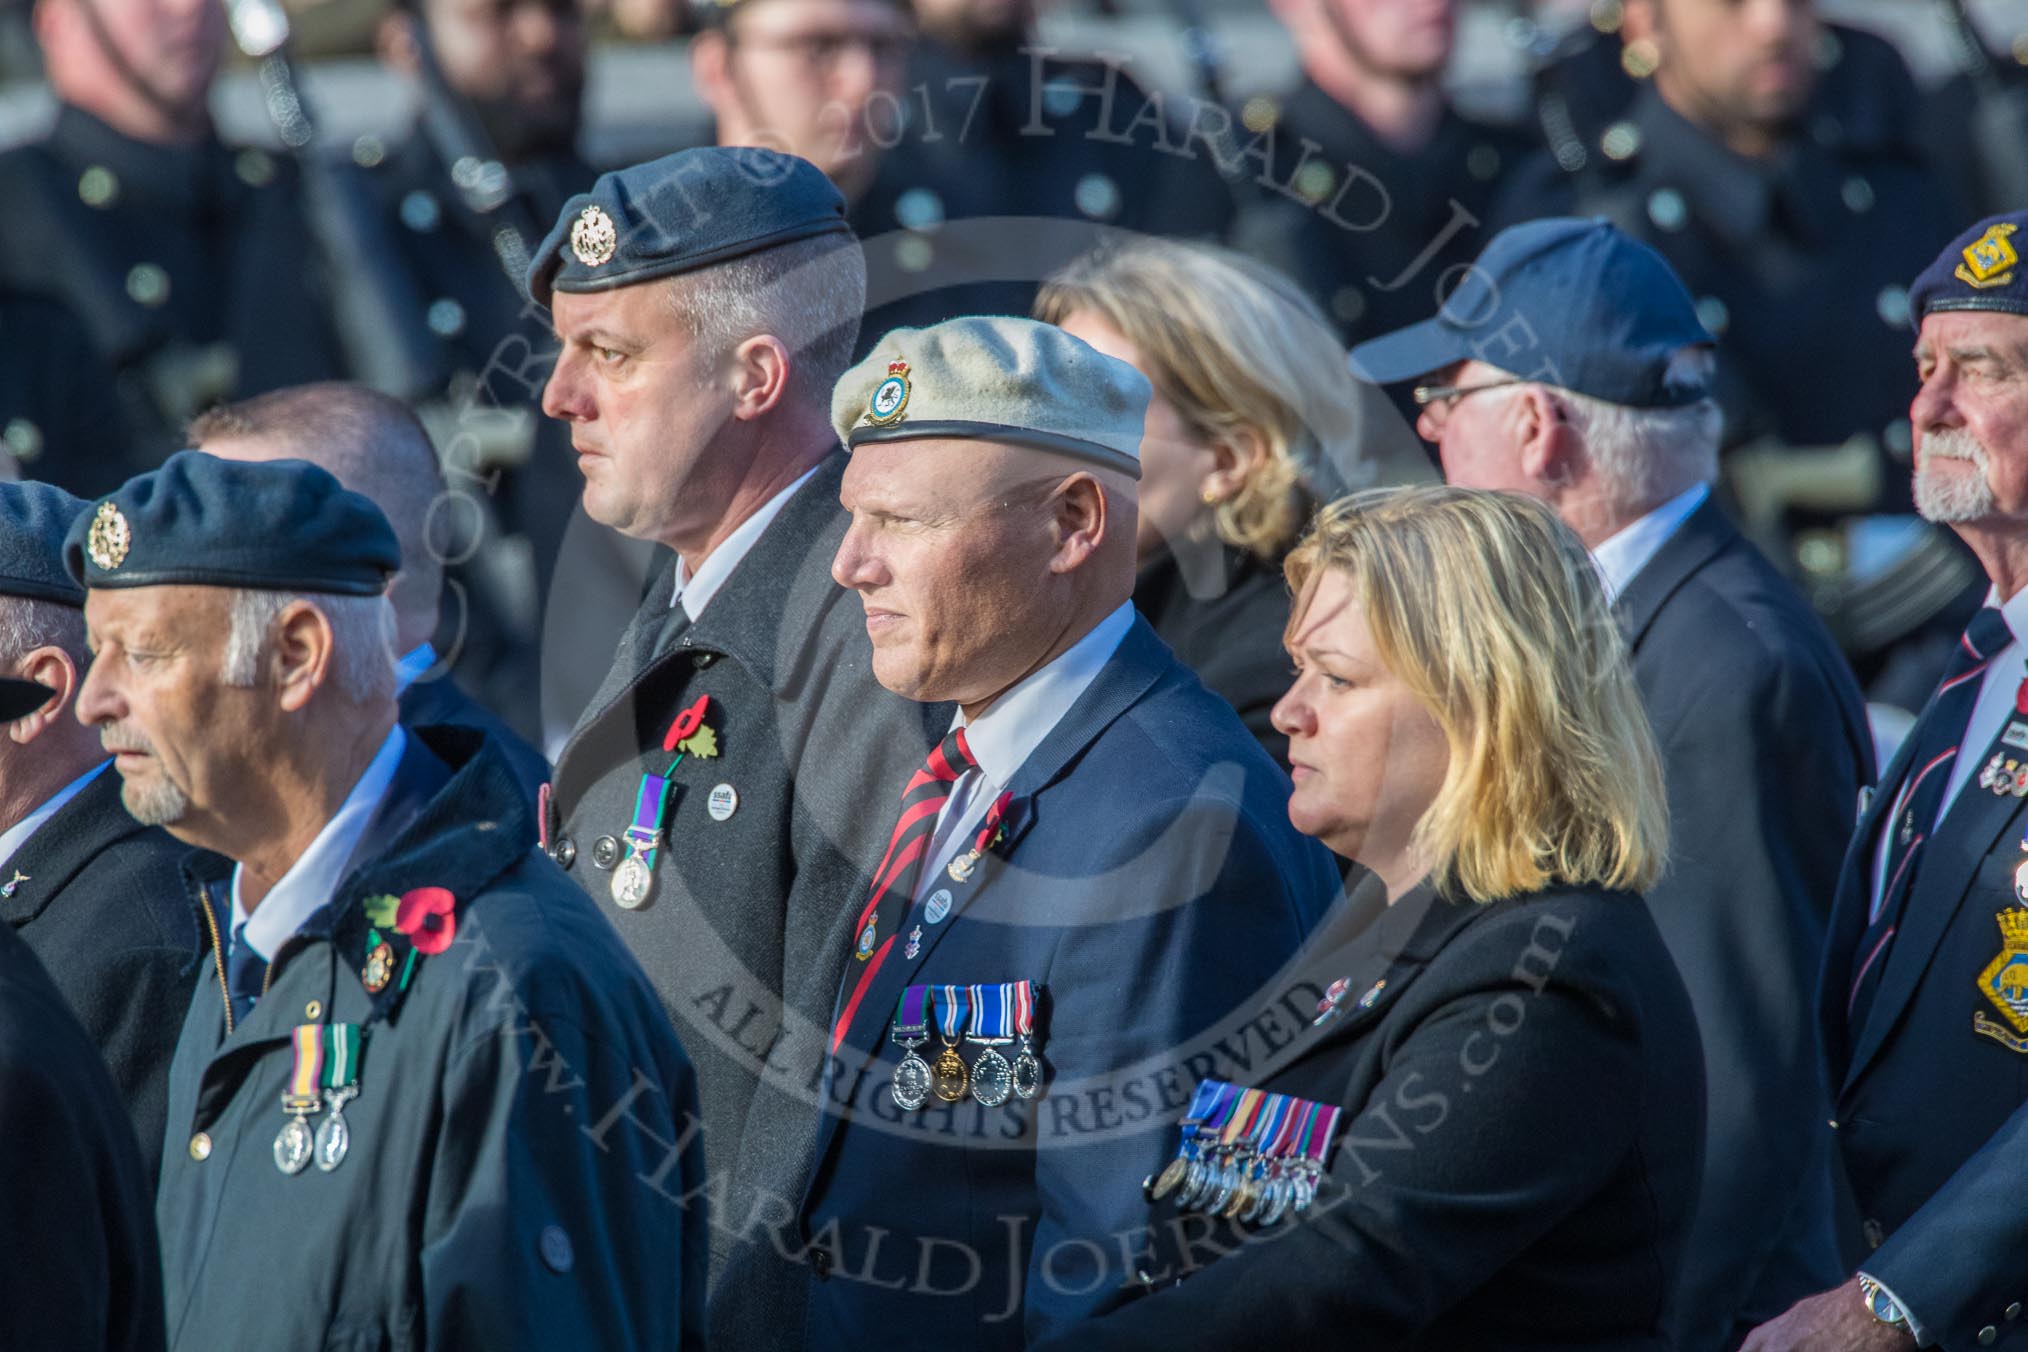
911	1082
632	881
992	1079
334	1138
293	1144
1027	1074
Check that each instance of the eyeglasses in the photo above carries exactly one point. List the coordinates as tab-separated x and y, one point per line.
1426	395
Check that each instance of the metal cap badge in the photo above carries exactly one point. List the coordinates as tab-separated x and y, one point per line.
109	538
593	238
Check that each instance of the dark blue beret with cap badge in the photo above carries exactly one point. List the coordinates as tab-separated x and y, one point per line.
1979	270
281	525
35	520
682	212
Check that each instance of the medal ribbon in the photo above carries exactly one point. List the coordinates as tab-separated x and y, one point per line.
1024	1007
1280	1112
309	1072
912	1014
992	1011
1244	1112
950	1008
341	1065
651	806
1200	1102
1223	1103
1319	1143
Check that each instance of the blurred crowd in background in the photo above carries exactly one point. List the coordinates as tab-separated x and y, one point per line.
208	200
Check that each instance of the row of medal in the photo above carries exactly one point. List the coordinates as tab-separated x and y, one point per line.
2004	775
1247	1155
990	1017
326	1074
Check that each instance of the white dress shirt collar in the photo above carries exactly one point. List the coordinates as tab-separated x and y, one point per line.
1620	558
15	836
695	590
1007	733
307	886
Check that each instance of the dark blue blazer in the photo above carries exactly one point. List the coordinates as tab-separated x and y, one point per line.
1151	886
1764	748
441	702
1930	1112
1519	1163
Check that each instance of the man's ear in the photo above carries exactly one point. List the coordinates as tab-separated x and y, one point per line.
54	668
303	654
1547	440
761	368
1080	512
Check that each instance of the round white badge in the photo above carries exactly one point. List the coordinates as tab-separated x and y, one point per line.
938	906
723	802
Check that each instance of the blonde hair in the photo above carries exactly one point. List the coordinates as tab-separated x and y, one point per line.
1490	610
1231	345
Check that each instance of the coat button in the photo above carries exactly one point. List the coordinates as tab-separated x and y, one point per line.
820	1263
2014	1310
555	1246
1988	1336
702	660
605	852
1875	1232
200	1147
564	851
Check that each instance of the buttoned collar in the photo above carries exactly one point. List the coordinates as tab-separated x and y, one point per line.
1007	733
310	882
180	179
15	836
695	590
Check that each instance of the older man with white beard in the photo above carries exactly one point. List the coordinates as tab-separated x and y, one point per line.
1924	998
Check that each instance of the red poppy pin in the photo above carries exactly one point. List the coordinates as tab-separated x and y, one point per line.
428	916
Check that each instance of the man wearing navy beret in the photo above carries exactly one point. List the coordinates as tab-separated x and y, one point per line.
94	893
422	1097
1571	365
727	791
1924	996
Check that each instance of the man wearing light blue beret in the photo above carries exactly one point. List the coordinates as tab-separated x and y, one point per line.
721	797
1092	869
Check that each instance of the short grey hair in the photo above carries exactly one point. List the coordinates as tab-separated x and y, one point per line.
28	623
810	294
1645	456
362	631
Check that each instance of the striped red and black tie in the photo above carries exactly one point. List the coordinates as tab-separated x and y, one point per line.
894	882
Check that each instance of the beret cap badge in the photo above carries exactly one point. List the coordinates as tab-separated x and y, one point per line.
890	396
1990	259
593	238
109	538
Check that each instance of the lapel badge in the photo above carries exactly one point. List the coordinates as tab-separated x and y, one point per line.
1372	996
593	237
1334	996
938	906
1990	259
379	968
13	884
914	944
2004	983
109	538
961	867
890	396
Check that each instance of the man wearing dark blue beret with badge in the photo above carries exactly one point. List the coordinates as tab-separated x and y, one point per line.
723	797
1924	997
94	893
1570	365
422	1096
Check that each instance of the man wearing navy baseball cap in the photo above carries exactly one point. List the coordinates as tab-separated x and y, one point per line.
1569	364
1924	998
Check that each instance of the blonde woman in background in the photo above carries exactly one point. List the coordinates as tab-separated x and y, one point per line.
1255	414
1509	1047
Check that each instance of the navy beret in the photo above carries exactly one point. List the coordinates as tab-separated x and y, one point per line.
685	211
281	525
35	519
1980	270
19	698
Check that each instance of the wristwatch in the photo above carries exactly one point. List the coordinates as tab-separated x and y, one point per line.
1882	1306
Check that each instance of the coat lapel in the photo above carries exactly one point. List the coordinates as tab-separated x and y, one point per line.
1850	903
1967	834
75	834
1701	537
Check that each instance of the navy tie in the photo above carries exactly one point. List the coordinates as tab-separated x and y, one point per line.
1916	805
245	970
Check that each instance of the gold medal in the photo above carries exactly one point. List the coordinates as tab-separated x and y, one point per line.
1169	1180
949	1078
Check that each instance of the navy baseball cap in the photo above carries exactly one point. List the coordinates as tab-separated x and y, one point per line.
19	698
1569	302
35	519
280	525
690	210
1979	270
